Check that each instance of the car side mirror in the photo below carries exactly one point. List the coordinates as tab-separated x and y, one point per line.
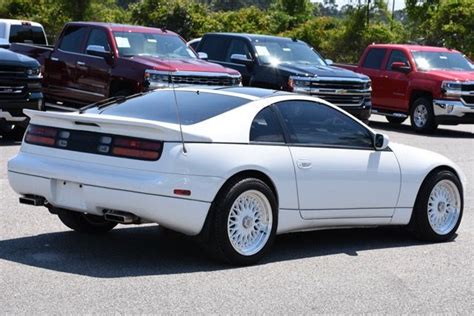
329	62
381	141
203	56
400	66
241	59
99	51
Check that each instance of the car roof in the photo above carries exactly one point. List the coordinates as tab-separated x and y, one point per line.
19	22
115	27
251	36
412	47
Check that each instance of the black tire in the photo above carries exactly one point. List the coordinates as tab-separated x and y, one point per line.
220	243
84	223
12	132
395	119
419	223
428	125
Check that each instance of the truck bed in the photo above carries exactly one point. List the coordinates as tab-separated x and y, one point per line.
38	52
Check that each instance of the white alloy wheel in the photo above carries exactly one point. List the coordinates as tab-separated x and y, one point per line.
443	208
249	223
420	115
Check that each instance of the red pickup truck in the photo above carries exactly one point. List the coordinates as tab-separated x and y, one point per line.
432	85
93	61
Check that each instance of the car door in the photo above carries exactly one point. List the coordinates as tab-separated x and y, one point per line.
60	67
93	72
395	82
372	67
339	173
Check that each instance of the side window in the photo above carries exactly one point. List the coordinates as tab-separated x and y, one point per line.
374	58
396	56
238	46
73	38
266	128
98	37
215	47
317	124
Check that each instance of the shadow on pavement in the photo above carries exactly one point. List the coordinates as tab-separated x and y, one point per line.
442	131
149	250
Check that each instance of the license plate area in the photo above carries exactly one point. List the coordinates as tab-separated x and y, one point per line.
70	194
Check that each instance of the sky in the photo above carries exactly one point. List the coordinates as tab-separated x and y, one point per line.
399	4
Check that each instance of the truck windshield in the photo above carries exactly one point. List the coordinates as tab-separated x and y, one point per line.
442	61
276	51
27	34
148	44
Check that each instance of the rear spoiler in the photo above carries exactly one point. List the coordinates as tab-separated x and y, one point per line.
113	125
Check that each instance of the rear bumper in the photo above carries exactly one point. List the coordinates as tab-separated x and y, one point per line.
452	112
90	188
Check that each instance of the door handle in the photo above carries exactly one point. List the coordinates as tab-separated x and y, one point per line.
304	164
81	63
54	59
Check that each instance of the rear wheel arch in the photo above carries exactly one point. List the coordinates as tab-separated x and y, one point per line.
244	174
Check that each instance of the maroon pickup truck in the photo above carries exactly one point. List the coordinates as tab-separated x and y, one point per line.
94	61
432	85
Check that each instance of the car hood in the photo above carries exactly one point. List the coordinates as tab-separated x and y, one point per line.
9	58
452	75
320	71
194	65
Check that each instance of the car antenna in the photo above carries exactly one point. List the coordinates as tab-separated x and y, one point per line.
178	116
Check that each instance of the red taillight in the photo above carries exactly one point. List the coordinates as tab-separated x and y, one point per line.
136	148
41	135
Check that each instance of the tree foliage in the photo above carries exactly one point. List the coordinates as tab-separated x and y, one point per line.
339	33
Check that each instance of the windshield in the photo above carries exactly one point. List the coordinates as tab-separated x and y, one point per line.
442	61
276	51
148	44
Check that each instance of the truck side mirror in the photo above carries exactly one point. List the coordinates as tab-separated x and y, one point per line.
241	59
99	51
329	62
381	141
203	56
400	66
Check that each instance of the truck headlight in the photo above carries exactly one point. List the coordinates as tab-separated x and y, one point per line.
33	72
298	84
451	88
157	79
368	85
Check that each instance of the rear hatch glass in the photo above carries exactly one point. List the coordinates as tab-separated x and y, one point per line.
27	34
194	106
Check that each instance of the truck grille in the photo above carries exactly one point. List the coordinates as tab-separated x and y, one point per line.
468	99
348	100
344	85
204	80
11	91
12	71
468	86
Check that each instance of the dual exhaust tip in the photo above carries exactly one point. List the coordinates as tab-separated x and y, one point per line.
109	215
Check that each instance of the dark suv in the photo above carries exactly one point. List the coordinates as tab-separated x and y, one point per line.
291	65
20	88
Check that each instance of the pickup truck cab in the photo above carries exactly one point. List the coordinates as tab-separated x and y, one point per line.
94	61
20	88
19	31
431	85
288	64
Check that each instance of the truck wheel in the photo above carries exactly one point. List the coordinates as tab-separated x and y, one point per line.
438	207
422	116
122	93
244	222
395	119
84	223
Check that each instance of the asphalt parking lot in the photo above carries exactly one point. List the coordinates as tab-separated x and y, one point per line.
46	268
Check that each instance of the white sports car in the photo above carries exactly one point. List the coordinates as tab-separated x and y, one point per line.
235	166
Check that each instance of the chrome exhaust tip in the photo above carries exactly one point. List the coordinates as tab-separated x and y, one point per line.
121	217
34	200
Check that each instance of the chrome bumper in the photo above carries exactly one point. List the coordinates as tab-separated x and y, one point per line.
451	108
